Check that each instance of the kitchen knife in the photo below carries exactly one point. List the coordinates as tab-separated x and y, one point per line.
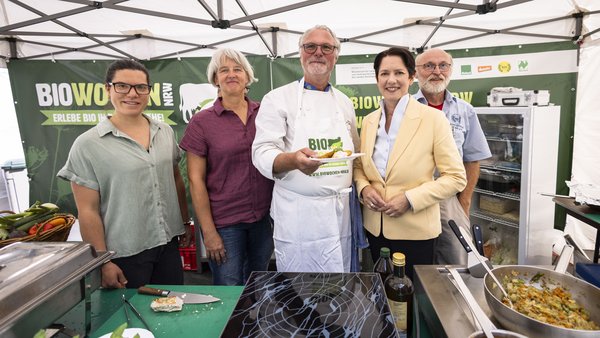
481	260
478	238
188	298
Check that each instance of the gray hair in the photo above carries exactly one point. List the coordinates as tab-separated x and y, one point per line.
337	44
434	49
217	60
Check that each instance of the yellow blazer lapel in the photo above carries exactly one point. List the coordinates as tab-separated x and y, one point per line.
371	135
408	128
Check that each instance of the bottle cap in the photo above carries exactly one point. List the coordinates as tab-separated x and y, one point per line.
384	252
398	258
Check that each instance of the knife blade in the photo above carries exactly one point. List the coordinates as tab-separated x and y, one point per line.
188	298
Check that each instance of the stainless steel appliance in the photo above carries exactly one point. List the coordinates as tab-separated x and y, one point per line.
41	281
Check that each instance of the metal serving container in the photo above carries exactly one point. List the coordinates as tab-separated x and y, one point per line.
41	281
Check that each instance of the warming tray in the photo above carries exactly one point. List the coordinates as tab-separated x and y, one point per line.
40	281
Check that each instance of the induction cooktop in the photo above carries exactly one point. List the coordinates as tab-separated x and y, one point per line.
289	304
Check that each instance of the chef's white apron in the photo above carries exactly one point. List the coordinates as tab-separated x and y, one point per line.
311	215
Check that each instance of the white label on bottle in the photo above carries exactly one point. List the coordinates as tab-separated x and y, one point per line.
400	313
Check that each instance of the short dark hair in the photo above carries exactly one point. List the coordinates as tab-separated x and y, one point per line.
125	64
403	53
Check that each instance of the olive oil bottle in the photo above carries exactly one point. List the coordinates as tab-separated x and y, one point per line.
400	291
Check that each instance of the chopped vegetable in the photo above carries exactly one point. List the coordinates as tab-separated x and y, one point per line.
118	332
3	233
536	277
553	306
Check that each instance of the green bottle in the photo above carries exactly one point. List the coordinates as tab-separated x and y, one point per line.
383	266
400	291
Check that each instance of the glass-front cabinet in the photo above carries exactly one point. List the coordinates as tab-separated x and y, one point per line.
516	220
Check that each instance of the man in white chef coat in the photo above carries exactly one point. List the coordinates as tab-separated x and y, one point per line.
310	205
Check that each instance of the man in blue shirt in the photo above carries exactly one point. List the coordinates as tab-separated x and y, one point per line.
434	69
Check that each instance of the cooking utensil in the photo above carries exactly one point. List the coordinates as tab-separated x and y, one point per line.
126	311
137	313
477	238
488	329
486	324
467	247
188	298
554	195
585	294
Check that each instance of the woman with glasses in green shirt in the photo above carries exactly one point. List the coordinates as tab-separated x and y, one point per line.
126	183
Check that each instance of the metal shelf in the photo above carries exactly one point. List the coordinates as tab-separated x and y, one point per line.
500	139
507	195
489	217
498	167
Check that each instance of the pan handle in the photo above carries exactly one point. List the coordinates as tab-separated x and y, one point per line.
459	235
564	259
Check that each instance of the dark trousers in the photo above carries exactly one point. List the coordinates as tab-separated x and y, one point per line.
159	265
416	252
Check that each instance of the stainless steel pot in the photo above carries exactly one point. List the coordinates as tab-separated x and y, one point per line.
585	294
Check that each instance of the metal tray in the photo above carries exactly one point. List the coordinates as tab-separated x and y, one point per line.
40	281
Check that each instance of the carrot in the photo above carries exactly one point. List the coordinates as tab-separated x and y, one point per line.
53	223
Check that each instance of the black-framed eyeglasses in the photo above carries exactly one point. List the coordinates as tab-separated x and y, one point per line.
430	67
125	88
311	48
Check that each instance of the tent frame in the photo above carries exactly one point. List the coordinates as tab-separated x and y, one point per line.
14	35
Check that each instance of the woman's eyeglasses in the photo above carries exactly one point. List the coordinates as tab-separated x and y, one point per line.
311	48
430	67
125	88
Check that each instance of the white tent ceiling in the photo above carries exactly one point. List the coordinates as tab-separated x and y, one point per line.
155	29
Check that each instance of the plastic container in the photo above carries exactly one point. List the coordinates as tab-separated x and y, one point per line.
188	258
589	273
188	254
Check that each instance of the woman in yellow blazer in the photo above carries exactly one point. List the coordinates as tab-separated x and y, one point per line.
404	142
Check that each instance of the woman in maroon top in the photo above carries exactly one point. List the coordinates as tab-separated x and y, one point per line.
230	197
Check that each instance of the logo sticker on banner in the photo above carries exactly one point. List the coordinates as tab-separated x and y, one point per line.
504	67
523	66
194	97
465	70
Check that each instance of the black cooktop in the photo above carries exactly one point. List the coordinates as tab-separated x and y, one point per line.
275	304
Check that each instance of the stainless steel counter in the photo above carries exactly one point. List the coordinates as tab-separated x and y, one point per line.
440	305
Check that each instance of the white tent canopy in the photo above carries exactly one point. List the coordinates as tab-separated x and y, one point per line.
158	29
154	29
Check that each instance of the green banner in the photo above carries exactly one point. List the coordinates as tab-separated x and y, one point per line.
93	117
57	101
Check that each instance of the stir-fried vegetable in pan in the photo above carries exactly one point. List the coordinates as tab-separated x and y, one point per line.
553	306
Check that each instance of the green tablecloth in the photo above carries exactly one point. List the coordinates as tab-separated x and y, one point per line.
195	320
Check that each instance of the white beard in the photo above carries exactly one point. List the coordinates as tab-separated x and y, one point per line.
317	69
435	89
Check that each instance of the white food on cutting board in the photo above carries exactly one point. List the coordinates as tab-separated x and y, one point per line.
130	333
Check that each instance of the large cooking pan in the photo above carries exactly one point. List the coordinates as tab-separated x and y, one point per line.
585	294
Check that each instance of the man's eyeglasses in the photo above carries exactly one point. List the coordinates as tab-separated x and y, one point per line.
125	88
430	67
311	48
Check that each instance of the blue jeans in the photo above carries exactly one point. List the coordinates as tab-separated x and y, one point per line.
248	248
